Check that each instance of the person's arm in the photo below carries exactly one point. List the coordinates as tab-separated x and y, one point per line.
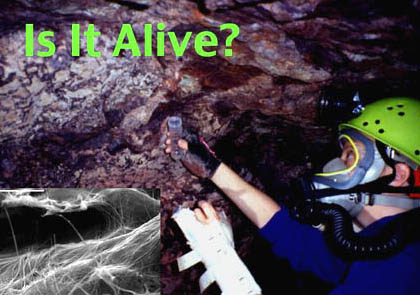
201	161
301	244
256	205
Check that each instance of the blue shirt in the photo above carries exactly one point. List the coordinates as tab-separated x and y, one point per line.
306	250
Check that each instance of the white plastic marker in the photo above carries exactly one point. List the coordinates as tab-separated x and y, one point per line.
213	245
175	134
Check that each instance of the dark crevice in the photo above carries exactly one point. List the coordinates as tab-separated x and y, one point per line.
362	9
244	5
201	6
130	4
284	80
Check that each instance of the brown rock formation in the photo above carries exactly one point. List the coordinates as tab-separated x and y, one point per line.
95	122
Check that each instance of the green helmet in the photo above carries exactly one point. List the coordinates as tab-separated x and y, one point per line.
394	121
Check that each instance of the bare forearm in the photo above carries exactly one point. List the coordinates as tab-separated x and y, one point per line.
256	205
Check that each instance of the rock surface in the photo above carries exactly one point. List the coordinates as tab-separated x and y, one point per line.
96	122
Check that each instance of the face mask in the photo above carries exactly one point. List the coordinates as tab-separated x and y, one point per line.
335	165
337	175
364	169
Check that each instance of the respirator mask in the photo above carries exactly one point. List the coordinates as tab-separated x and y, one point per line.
337	195
361	163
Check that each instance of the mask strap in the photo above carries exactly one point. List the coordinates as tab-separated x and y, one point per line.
356	160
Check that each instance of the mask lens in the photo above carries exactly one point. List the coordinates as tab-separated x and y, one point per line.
360	162
340	168
348	154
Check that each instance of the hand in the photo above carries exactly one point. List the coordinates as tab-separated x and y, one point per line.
206	213
197	157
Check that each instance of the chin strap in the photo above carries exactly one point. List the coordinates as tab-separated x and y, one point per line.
377	192
354	203
377	187
403	202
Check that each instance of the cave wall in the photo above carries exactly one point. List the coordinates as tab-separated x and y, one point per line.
96	122
81	121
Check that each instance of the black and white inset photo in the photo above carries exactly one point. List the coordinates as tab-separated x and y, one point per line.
79	241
